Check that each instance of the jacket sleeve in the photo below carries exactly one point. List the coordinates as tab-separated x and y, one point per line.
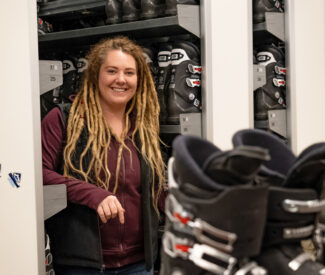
78	191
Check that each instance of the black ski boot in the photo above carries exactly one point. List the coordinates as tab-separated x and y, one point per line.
113	11
215	209
151	8
294	204
185	81
164	67
82	64
272	95
262	6
70	76
44	27
171	8
130	10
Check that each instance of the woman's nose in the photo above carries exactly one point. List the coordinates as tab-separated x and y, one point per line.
121	77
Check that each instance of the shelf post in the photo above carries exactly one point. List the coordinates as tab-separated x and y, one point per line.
305	59
227	59
21	189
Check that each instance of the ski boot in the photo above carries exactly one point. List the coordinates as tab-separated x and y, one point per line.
185	81
48	257
130	10
171	5
215	209
151	8
294	204
149	55
70	76
82	64
164	67
113	11
262	6
44	27
272	95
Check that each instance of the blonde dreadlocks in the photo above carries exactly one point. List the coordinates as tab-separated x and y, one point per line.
86	112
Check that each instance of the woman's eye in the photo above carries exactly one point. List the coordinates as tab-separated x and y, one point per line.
111	71
130	73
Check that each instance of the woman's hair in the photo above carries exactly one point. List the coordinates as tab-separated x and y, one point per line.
86	112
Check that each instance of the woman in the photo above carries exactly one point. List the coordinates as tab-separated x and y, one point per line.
105	149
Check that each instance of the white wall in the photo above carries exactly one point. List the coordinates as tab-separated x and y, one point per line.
21	209
305	44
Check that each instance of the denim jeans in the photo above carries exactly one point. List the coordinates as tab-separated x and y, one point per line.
132	269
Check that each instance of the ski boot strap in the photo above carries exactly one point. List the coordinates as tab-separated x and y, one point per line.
164	58
280	70
292	215
217	261
185	222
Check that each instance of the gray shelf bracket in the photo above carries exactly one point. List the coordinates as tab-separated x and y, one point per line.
191	124
189	18
277	122
275	24
51	75
259	75
55	199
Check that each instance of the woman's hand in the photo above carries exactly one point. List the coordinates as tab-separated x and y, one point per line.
109	208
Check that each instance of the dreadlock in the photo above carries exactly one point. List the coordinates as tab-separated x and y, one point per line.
86	112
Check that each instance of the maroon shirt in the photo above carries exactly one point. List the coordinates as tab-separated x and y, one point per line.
121	243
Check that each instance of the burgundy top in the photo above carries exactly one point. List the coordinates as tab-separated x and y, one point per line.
121	243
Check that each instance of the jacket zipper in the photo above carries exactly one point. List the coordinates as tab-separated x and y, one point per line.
122	225
102	265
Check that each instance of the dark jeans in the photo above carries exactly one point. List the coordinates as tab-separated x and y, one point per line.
132	269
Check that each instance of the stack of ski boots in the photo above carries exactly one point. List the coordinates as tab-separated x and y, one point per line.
262	6
272	95
184	88
118	11
216	209
295	202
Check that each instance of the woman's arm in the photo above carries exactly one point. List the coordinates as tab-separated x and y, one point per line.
78	191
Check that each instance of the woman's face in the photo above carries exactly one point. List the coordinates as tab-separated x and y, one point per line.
117	80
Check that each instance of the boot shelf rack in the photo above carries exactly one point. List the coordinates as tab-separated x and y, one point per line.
186	21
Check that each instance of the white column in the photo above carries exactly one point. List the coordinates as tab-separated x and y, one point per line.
227	59
305	58
21	209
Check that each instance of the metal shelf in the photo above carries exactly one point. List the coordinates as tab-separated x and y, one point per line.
276	122
186	21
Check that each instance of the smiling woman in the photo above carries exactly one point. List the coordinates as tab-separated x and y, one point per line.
107	153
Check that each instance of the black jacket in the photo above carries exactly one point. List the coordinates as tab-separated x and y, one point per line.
74	232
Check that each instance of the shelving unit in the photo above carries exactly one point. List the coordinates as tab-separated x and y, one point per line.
185	22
